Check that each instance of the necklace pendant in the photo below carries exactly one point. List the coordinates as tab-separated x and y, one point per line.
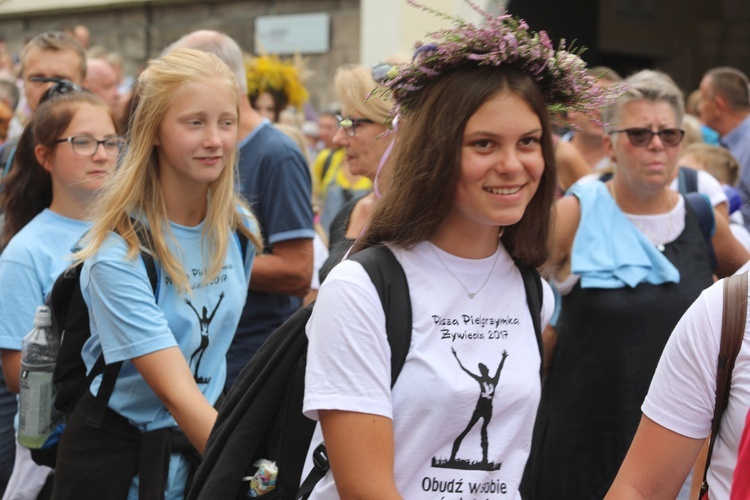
660	247
471	295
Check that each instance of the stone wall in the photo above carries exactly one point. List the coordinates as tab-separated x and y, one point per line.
141	32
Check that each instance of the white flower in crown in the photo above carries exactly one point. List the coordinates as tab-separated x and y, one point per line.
570	61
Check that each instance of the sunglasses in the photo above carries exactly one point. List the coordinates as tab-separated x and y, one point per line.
642	137
61	86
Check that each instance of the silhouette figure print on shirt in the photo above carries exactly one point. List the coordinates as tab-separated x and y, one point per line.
204	320
483	410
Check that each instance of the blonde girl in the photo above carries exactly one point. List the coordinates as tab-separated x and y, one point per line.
174	198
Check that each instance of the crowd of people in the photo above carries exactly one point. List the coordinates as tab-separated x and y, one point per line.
490	154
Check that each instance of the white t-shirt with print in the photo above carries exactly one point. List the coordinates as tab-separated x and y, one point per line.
683	390
471	363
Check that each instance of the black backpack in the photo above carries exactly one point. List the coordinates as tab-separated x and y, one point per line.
261	417
70	321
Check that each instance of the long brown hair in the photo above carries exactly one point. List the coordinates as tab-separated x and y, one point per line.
27	190
426	163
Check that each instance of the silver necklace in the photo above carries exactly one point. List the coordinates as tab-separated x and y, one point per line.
468	292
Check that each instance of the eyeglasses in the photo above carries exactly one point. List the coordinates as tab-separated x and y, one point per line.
350	124
85	145
380	72
61	86
642	137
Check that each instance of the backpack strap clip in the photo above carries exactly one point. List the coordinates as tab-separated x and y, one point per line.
320	458
318	472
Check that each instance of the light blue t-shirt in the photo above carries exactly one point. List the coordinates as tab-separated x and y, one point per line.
29	266
128	321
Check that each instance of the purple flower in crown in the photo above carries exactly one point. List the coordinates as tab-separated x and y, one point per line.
503	39
545	41
421	49
428	71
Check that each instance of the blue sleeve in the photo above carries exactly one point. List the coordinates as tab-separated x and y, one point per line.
123	312
289	213
282	192
20	294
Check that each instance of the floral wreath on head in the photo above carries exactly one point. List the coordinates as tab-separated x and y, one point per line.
266	73
502	41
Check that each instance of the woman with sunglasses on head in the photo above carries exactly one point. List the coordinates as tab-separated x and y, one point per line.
64	157
629	258
364	136
467	192
173	198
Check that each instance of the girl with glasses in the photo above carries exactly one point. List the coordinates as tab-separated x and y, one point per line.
176	185
47	199
629	258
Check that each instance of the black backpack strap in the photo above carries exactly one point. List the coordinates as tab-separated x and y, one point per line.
532	284
704	211
111	371
390	281
733	320
318	472
243	242
151	271
687	180
109	377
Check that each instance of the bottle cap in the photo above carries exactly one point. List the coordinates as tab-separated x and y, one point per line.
43	316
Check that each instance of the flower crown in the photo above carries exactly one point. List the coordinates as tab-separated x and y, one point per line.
270	73
502	41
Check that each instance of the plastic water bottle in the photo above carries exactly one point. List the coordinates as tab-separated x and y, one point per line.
37	415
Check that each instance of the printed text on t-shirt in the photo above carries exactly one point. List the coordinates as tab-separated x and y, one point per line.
479	327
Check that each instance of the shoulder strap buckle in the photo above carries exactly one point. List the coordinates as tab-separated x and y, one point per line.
320	458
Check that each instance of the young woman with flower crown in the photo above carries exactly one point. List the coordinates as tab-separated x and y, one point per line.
177	180
469	191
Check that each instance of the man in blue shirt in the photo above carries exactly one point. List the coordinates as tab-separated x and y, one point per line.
275	179
725	107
